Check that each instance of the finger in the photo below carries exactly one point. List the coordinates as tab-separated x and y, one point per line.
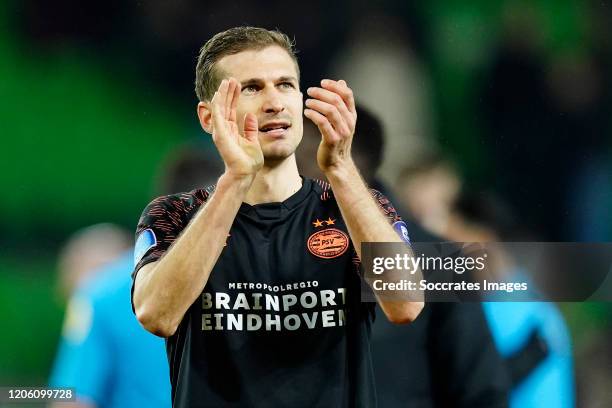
332	98
251	127
216	109
218	121
229	97
234	103
229	93
220	97
322	123
341	88
330	112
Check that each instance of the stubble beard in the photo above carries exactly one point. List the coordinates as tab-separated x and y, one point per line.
279	151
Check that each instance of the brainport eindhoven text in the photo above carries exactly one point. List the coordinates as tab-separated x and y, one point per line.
254	311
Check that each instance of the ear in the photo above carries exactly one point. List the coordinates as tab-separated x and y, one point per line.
205	116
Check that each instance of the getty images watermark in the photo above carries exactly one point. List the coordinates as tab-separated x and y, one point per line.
517	271
412	264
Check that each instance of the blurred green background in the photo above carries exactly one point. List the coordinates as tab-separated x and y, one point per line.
95	95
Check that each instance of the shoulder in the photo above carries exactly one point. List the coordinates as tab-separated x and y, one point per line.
179	201
173	210
326	193
322	189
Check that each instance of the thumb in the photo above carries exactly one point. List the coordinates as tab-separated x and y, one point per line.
251	127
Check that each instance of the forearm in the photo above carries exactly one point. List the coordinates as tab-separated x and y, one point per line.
362	215
165	291
367	223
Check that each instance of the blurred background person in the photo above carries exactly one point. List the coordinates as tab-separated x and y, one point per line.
428	188
532	336
449	350
104	353
86	252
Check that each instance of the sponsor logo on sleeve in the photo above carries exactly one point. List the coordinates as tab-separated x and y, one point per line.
402	230
146	240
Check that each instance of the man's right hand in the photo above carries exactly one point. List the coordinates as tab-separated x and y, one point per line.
241	153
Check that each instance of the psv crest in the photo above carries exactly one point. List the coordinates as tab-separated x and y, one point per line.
329	242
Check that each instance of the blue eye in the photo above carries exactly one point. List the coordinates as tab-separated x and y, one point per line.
286	85
249	89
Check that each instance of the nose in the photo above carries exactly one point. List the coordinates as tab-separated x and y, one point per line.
273	102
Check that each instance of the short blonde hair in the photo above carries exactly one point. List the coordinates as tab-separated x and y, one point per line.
231	42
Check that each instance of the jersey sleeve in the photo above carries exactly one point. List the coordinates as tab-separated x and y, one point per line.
393	217
385	204
160	224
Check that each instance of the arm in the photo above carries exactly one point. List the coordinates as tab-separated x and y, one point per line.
164	290
332	109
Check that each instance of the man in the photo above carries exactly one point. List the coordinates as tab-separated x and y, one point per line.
254	283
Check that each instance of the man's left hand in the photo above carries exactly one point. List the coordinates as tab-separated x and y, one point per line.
332	109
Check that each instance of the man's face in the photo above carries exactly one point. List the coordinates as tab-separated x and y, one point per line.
270	90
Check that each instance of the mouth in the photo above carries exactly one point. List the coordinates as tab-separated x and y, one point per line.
275	128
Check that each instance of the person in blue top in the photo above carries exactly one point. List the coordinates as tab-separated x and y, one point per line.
531	336
521	329
104	353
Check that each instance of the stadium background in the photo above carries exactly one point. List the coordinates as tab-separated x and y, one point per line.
95	94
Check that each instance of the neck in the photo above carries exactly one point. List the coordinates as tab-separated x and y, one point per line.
275	183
